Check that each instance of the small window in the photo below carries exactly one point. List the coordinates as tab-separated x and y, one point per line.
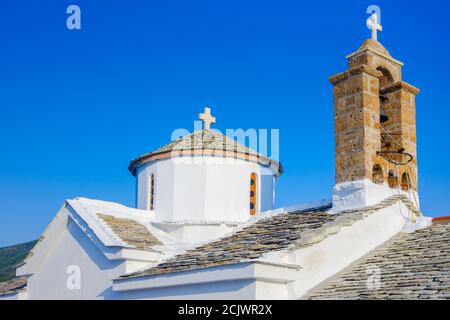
253	191
151	192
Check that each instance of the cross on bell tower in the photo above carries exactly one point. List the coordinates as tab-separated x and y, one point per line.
373	23
207	118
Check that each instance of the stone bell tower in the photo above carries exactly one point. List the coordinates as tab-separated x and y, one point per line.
375	129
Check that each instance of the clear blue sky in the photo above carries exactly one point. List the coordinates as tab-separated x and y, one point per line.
76	106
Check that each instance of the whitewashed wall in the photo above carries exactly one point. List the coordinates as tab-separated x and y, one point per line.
73	248
204	188
363	193
241	281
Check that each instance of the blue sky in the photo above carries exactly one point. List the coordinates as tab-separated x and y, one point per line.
77	106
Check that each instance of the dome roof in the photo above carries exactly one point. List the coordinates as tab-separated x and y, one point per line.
197	142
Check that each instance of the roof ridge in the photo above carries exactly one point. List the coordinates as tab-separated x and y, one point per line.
344	219
385	203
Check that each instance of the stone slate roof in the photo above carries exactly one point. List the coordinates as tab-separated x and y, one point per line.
411	266
13	285
275	233
131	232
203	140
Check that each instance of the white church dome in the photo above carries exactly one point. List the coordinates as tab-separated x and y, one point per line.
205	176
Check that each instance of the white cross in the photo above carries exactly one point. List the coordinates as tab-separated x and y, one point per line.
207	118
372	23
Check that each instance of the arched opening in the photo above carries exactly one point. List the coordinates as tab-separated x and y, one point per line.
377	174
406	182
384	81
387	114
387	77
392	179
253	193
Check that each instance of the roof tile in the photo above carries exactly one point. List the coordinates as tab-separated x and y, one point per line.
131	232
275	233
412	266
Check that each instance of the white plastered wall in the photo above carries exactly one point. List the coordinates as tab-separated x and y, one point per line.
73	250
204	188
241	281
363	193
67	251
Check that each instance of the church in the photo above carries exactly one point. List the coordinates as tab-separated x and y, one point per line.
205	226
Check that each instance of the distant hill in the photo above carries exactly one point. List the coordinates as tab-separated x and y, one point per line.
11	257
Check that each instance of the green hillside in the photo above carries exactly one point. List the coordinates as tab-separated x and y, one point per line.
12	256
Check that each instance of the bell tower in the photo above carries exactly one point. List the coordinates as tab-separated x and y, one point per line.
375	129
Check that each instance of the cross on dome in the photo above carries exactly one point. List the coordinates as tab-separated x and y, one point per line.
207	118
